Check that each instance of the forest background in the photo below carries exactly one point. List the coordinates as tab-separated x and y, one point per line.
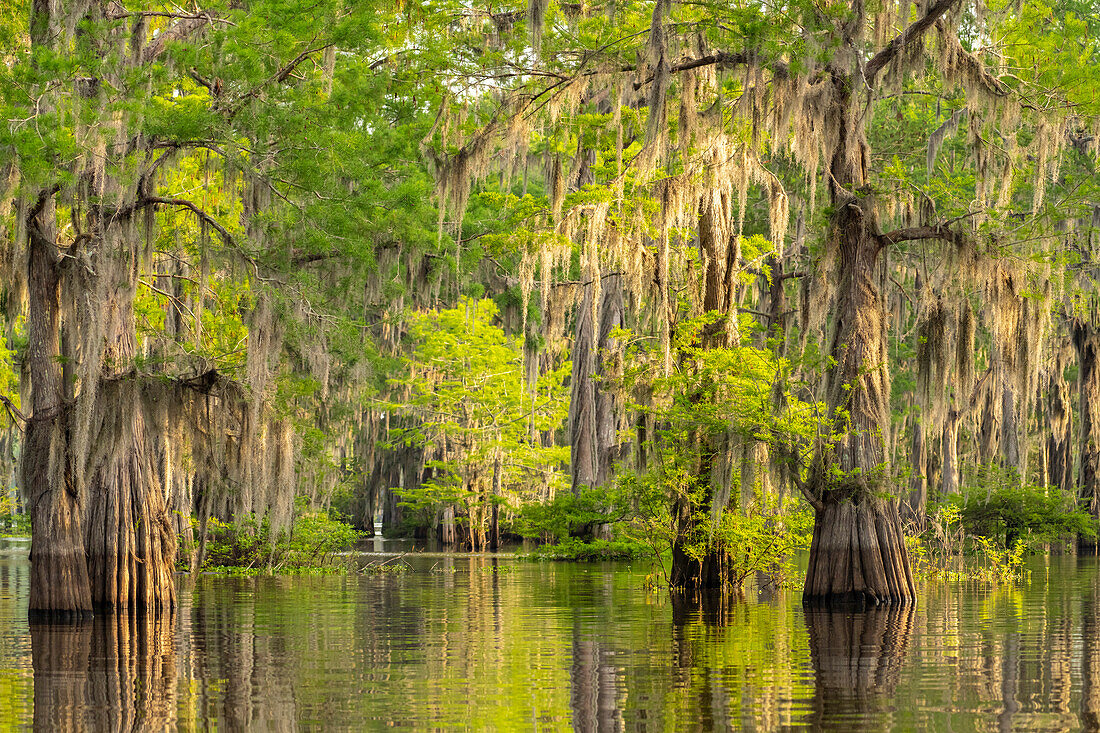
692	276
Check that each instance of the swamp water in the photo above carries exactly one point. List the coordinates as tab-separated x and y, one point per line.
485	642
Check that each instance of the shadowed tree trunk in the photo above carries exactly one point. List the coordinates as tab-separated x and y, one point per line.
918	476
1059	454
858	553
720	254
610	410
584	453
1087	343
59	576
949	450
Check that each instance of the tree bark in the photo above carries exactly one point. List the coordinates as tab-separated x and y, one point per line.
610	411
858	552
950	452
1087	343
583	456
1059	455
59	576
129	541
720	254
918	476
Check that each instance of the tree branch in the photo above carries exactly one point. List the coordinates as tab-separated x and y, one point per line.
13	411
910	34
718	57
937	231
186	25
201	214
279	77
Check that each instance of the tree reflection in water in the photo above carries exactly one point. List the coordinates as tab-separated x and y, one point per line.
110	673
857	659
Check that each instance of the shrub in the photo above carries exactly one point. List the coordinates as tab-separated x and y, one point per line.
1008	513
311	543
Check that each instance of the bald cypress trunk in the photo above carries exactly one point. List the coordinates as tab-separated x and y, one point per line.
610	410
59	576
858	553
584	454
100	530
720	262
949	449
1087	343
1059	454
918	476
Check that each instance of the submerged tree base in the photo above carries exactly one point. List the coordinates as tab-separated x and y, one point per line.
691	574
858	556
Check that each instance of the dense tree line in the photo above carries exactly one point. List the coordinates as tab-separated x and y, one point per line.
700	263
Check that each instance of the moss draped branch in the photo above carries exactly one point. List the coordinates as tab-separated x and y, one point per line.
909	35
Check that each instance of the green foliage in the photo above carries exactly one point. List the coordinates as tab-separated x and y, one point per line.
569	516
576	549
13	523
469	408
985	533
998	565
1009	514
246	545
719	405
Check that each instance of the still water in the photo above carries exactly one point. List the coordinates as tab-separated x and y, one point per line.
494	643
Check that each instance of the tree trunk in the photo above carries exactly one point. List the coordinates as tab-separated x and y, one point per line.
59	576
918	476
1059	468
610	411
950	452
583	456
129	540
858	552
1087	343
720	253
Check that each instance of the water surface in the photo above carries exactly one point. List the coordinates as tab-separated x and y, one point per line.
496	643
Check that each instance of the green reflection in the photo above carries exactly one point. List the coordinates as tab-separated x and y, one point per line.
487	643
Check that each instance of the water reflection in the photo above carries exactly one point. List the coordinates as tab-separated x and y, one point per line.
111	673
484	643
857	661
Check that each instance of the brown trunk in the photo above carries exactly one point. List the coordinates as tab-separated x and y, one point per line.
447	526
918	477
858	555
1010	442
582	403
610	411
950	452
1086	341
1059	455
129	540
858	552
59	577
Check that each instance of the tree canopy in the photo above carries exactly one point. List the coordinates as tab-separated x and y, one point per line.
426	261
